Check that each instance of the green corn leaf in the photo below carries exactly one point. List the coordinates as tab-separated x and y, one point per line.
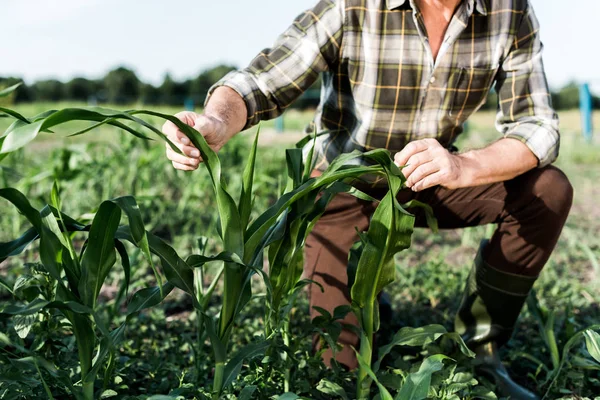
416	386
331	389
288	396
218	346
7	91
37	305
429	216
384	394
85	338
17	246
456	338
247	392
31	308
198	261
120	247
305	140
107	344
148	297
113	122
14	114
234	366
138	232
415	337
389	232
592	342
100	255
236	291
177	271
22	134
245	204
65	251
50	246
295	168
576	338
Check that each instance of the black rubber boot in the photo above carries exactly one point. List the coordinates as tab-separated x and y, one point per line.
488	363
486	319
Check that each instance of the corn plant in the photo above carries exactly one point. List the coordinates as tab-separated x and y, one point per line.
546	325
282	230
78	278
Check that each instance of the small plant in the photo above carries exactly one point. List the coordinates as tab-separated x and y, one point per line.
77	278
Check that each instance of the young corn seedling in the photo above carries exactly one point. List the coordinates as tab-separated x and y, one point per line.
78	278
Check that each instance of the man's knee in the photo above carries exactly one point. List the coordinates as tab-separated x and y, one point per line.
553	188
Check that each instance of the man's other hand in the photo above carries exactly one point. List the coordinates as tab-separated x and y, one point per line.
211	128
426	164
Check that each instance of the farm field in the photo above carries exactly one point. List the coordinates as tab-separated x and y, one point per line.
160	354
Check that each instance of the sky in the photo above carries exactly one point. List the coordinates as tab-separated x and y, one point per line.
61	39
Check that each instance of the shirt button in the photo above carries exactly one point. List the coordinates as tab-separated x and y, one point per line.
432	80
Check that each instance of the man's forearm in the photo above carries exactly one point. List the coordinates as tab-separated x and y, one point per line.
501	161
227	106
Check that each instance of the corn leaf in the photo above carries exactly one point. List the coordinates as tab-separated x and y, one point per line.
17	246
7	91
416	386
99	256
120	247
384	394
245	203
592	342
234	365
177	271
148	297
407	336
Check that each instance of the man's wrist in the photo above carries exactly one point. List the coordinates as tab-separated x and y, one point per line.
470	170
227	108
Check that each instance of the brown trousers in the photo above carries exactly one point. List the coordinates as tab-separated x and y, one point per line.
529	211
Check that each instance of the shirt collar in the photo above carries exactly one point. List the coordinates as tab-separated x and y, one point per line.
480	5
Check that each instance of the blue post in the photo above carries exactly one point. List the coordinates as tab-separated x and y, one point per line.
279	126
188	104
585	105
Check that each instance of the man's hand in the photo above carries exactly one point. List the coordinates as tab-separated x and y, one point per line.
211	128
224	116
429	164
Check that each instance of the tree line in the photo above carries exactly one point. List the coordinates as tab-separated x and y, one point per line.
122	86
119	86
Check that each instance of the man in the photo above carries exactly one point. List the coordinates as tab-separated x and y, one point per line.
405	75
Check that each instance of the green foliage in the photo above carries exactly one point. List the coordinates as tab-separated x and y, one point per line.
150	348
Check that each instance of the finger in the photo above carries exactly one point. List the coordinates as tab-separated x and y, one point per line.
428	182
415	161
171	130
401	158
183	167
189	151
181	159
421	172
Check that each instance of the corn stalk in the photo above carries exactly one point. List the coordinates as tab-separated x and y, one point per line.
282	229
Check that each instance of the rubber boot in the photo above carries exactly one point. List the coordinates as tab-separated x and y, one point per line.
486	319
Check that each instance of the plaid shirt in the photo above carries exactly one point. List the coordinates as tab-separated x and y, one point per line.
382	87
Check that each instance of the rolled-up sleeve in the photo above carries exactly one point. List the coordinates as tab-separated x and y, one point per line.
279	75
525	107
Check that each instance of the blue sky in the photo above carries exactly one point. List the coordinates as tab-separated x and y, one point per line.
64	38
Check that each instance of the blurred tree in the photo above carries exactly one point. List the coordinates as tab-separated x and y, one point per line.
150	94
199	86
81	89
567	97
173	92
49	90
121	86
